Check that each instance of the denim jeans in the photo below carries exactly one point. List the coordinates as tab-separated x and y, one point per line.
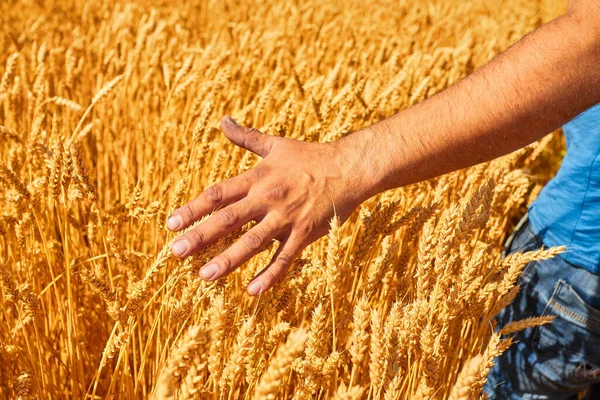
558	360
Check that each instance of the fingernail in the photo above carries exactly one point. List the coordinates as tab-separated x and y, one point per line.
255	287
209	271
180	247
231	121
174	222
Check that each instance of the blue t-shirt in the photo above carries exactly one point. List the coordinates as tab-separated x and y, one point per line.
567	211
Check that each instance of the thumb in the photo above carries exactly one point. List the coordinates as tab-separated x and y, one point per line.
249	138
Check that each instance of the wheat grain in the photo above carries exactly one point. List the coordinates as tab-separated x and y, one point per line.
109	122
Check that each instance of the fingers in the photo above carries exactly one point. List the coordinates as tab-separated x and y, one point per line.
218	225
228	191
282	260
214	197
248	138
250	244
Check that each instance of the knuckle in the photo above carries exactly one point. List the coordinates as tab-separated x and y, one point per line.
250	136
253	240
190	209
227	217
259	173
196	237
251	133
214	194
256	141
227	262
274	194
285	259
248	178
262	172
271	276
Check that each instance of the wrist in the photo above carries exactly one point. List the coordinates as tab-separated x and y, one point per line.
361	156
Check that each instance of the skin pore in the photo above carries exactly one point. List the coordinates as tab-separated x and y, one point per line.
533	88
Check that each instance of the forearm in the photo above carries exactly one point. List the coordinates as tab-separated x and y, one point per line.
531	89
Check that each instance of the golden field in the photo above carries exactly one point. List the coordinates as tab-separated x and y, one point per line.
109	117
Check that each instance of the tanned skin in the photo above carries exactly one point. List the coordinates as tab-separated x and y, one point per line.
533	88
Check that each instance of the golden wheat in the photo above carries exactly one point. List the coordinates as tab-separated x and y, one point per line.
109	121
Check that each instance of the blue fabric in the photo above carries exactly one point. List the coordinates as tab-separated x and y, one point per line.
555	361
567	212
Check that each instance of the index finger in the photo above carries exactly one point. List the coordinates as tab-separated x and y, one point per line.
216	196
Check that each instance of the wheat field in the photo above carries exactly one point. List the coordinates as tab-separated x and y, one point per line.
109	120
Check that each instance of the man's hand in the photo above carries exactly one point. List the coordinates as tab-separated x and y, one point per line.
530	90
292	194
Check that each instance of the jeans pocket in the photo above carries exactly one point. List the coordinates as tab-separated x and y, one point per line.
568	349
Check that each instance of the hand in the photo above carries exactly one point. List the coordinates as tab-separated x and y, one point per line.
292	195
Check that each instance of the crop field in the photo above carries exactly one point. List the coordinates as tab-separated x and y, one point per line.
109	121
